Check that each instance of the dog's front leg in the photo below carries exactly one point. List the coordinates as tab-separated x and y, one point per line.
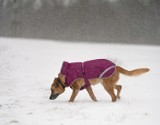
90	92
74	94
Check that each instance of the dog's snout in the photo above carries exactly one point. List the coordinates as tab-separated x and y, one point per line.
53	96
50	96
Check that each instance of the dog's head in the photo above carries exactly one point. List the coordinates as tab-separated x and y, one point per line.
57	88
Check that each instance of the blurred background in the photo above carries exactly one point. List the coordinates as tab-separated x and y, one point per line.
110	21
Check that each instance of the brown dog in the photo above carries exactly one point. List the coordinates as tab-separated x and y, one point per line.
109	84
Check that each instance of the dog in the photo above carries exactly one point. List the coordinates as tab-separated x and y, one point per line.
79	76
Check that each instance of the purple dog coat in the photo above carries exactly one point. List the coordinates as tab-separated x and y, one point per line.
100	68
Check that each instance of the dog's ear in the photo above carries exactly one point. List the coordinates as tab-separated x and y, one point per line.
61	77
55	79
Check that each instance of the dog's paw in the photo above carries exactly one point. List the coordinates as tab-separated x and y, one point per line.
118	97
95	100
114	100
70	100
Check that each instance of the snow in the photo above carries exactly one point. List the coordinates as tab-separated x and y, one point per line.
28	67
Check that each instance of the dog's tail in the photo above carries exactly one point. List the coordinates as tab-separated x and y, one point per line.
134	72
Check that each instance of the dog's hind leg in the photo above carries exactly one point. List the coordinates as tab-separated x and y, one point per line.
90	92
110	90
118	88
74	94
109	85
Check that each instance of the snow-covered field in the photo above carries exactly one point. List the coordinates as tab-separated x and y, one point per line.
28	67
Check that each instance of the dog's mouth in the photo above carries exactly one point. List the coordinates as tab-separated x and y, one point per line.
53	96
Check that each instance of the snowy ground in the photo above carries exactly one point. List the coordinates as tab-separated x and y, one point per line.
27	68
